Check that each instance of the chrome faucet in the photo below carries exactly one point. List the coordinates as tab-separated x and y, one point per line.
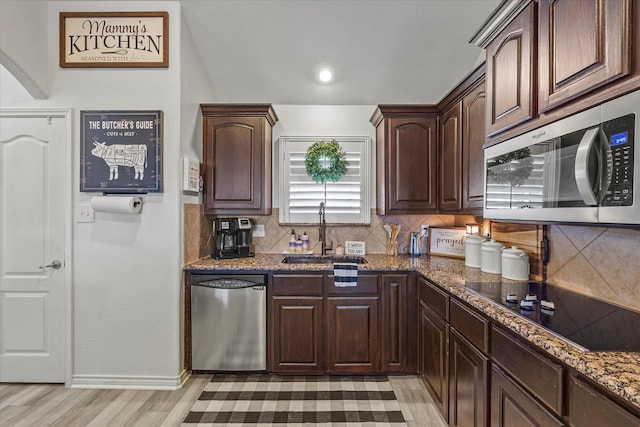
323	231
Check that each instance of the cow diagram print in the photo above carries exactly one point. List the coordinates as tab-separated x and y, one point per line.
128	155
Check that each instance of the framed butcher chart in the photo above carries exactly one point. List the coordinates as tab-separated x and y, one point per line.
121	151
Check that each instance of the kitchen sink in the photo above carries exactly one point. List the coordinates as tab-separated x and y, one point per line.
297	259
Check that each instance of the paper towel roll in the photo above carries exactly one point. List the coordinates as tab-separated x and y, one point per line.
114	204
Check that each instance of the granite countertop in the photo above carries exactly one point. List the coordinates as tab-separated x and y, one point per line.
616	371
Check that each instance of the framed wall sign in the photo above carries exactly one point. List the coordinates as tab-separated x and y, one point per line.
114	39
121	151
447	241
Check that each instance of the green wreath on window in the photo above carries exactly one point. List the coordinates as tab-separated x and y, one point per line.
325	161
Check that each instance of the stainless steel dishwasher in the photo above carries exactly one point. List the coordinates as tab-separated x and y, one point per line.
228	323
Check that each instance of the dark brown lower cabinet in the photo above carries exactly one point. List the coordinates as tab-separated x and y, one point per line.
589	408
352	334
468	383
297	342
512	406
398	315
434	357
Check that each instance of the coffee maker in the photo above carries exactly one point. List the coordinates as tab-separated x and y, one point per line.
233	238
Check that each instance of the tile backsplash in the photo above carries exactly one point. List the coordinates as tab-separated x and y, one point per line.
596	261
198	233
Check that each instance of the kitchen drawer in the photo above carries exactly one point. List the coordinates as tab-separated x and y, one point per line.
471	325
511	405
540	376
589	408
297	284
367	285
434	298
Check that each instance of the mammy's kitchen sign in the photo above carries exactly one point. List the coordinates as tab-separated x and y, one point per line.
114	39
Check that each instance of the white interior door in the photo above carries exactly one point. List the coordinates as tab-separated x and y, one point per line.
33	206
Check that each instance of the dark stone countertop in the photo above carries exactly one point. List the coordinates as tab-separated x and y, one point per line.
618	372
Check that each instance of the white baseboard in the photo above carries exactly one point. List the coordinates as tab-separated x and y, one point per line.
132	382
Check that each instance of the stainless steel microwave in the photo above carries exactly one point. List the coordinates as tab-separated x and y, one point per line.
581	169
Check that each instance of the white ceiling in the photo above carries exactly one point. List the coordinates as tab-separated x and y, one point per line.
381	51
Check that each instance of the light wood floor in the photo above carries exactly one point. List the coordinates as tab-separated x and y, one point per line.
53	405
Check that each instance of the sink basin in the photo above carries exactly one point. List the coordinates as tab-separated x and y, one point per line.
323	259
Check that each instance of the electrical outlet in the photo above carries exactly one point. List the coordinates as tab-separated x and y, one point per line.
84	214
424	230
258	230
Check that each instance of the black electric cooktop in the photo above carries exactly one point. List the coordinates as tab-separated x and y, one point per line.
592	324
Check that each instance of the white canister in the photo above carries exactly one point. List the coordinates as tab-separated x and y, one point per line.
491	257
515	264
472	250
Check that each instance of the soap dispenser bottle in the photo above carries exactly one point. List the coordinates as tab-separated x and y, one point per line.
292	241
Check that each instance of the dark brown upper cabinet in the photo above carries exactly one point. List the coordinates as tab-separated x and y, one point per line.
549	59
450	159
237	158
474	108
461	140
582	45
406	150
510	74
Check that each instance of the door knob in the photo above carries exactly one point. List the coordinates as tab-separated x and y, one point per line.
55	264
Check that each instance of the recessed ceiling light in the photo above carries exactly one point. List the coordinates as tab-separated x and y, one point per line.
325	75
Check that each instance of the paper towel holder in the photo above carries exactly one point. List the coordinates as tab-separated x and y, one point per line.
126	204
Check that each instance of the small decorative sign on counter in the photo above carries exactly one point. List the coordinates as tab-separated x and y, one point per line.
353	248
448	241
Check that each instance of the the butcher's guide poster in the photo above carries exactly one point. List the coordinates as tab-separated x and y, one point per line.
121	151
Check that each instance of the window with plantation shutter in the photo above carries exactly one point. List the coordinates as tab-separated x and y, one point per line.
347	200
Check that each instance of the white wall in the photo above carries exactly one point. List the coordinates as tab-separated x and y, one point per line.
126	269
322	121
23	27
195	89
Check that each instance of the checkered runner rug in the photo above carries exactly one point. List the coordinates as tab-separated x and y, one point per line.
264	400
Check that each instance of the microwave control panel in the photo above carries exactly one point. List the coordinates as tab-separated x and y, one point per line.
620	138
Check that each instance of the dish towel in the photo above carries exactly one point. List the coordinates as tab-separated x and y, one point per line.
345	274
